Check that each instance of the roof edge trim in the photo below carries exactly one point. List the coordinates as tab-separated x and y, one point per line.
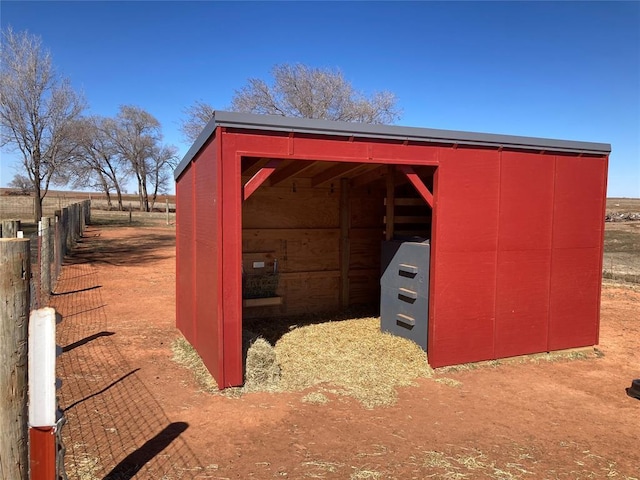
251	121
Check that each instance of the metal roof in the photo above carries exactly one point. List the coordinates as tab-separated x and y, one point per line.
251	121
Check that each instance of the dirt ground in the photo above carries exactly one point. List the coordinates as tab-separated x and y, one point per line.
132	412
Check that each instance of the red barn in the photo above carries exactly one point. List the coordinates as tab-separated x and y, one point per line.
280	216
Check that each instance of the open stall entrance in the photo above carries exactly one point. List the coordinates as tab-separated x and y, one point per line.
312	237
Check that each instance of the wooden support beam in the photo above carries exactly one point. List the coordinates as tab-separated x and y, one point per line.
257	180
372	175
345	247
249	163
390	200
334	172
288	171
416	181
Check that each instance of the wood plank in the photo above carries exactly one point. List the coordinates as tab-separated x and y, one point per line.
333	173
370	176
345	226
257	180
416	181
389	218
295	168
261	302
314	274
250	165
408	202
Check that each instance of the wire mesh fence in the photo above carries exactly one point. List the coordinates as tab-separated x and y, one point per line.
49	241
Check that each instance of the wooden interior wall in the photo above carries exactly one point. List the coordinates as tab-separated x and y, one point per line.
297	227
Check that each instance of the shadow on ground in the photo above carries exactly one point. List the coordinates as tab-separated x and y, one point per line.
115	427
133	250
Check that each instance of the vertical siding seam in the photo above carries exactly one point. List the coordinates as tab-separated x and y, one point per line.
495	283
552	247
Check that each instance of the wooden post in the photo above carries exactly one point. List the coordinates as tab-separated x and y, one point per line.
167	204
15	266
10	228
345	247
64	225
57	242
45	257
87	212
390	214
129	212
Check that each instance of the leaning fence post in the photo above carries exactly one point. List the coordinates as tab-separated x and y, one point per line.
15	266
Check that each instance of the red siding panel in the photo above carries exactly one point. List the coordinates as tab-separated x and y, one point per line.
577	252
208	273
522	302
185	256
575	289
469	192
464	270
580	188
526	201
524	257
464	319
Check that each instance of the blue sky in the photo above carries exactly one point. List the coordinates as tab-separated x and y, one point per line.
567	70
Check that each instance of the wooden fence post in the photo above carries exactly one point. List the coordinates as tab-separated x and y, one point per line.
57	243
87	212
10	228
15	266
45	257
64	225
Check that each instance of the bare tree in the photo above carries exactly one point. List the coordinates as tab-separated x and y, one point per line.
162	161
302	91
135	135
198	115
97	163
22	183
37	107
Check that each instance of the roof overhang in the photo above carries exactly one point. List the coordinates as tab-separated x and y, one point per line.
248	121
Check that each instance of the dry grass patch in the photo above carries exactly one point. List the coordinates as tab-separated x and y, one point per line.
352	355
184	354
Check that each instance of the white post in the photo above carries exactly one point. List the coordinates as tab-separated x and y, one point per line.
42	368
42	394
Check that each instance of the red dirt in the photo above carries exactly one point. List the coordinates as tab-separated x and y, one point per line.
133	412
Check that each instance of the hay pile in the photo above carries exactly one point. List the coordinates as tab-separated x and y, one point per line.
354	357
348	357
262	369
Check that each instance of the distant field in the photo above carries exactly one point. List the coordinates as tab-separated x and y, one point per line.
622	242
623	205
22	207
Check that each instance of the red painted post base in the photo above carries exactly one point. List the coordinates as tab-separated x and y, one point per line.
42	453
